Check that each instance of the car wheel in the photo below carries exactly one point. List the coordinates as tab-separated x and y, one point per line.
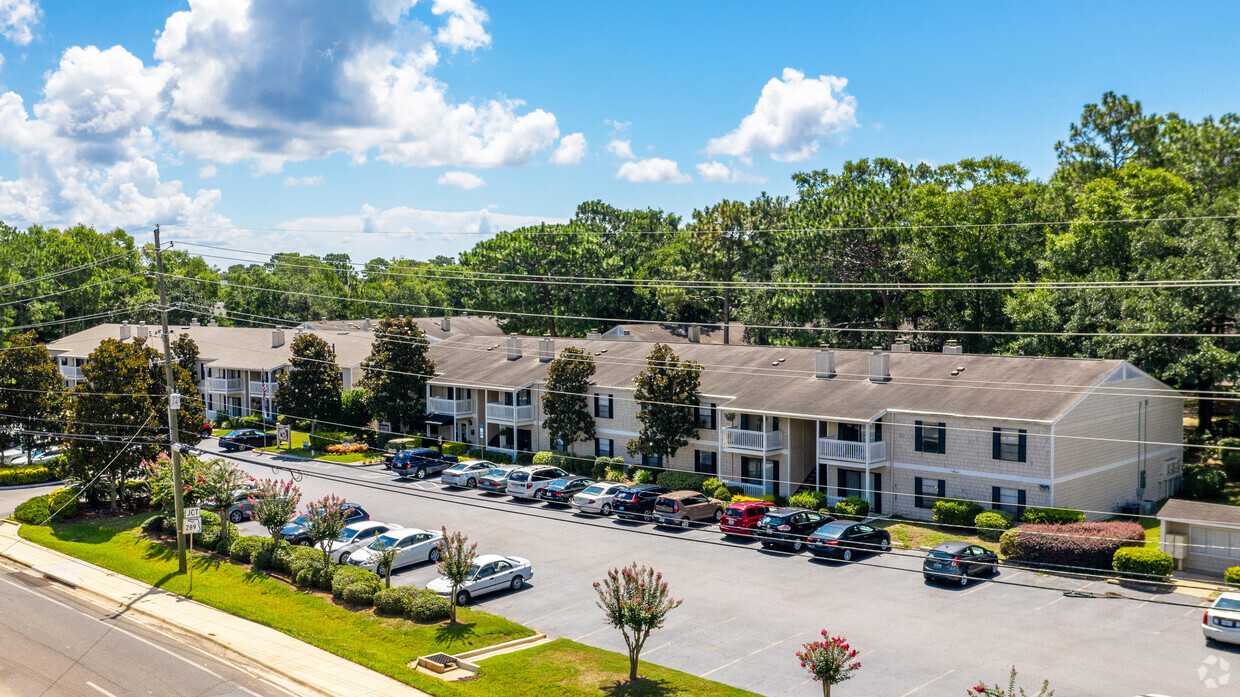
462	598
420	473
718	515
964	580
434	555
305	543
684	522
379	571
605	510
884	546
796	546
471	483
847	556
236	516
517	583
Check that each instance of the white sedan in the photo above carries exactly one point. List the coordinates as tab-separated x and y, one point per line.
413	546
466	473
596	498
1222	620
489	573
356	536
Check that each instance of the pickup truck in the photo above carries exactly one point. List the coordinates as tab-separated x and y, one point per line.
420	462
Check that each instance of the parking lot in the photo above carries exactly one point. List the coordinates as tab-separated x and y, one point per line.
746	610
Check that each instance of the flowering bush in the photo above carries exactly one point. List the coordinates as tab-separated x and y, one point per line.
831	660
1012	690
346	448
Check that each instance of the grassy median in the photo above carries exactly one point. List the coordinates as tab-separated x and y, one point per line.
382	644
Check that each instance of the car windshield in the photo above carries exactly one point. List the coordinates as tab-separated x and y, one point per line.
347	535
384	542
594	490
473	569
300	520
519	476
1227	604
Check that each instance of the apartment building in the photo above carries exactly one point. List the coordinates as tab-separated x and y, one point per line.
897	427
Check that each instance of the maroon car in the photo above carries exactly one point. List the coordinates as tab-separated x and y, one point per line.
740	518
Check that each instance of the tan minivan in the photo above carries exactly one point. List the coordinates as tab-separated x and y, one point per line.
683	507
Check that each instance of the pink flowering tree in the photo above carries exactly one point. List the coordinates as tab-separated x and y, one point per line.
830	660
275	501
1012	690
635	601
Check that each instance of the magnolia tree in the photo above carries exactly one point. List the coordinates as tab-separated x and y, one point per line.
456	562
635	601
830	660
325	522
1012	690
275	501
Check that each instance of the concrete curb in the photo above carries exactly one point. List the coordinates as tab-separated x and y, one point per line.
15	487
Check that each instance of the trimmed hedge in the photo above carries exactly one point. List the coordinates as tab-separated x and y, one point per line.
243	549
362	592
428	606
36	511
991	524
543	457
1203	482
154	524
29	474
346	576
1088	545
208	539
675	480
223	547
1142	563
457	449
956	512
643	477
853	506
394	601
315	576
319	441
63	502
813	500
1052	516
1232	576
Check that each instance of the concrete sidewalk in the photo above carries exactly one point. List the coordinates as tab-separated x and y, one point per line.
314	670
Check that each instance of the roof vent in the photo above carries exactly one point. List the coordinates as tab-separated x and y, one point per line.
514	348
124	330
546	350
366	325
213	323
142	330
824	363
952	347
277	338
880	366
446	324
193	321
695	333
900	347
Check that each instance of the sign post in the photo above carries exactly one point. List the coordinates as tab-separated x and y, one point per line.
482	436
193	524
284	433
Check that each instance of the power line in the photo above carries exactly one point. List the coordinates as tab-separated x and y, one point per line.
62	272
70	290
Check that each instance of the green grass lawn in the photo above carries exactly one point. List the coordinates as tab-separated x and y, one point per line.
383	644
300	442
914	534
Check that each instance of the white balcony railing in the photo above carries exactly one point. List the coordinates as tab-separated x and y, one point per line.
224	385
850	451
256	388
752	441
452	407
509	413
754	490
71	372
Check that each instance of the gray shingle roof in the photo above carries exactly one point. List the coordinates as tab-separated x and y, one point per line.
469	324
1181	509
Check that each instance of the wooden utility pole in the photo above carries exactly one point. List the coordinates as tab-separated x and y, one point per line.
173	435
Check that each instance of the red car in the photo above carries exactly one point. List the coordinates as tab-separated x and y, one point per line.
740	518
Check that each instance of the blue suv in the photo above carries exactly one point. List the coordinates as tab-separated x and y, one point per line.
420	462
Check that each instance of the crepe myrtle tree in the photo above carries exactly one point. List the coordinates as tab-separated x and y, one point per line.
830	660
275	501
325	522
635	601
384	559
981	690
456	561
214	485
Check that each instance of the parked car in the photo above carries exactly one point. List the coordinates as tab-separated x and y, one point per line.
489	573
596	498
1221	622
246	439
528	482
206	430
415	546
637	502
420	462
296	533
496	481
562	490
394	447
466	473
686	507
960	562
241	506
355	536
38	457
842	540
788	527
741	517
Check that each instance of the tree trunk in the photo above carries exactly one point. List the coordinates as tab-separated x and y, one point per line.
1205	414
632	667
826	689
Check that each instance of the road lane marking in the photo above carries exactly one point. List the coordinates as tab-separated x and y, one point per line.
109	694
915	689
752	653
683	636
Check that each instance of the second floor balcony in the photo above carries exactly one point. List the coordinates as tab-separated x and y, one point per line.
71	372
224	385
510	414
451	407
745	441
256	388
851	451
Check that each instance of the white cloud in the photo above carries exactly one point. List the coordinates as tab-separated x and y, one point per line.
790	118
460	180
208	171
18	19
1	62
654	169
615	127
316	180
571	150
621	148
463	30
715	171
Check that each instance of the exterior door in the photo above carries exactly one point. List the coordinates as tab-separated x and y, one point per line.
877	486
525	442
776	485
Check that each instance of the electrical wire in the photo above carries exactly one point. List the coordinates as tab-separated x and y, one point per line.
63	272
70	290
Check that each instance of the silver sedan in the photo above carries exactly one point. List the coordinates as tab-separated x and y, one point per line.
596	498
489	573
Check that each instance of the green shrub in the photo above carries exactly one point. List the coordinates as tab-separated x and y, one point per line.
723	495
991	524
813	500
210	520
346	576
428	606
734	490
395	601
362	592
223	547
319	441
1203	482
853	506
710	486
457	449
153	525
1232	576
543	457
614	475
643	477
1052	516
261	559
311	576
244	549
1088	545
956	512
33	512
285	556
675	480
1142	563
1230	458
208	539
599	471
64	503
29	474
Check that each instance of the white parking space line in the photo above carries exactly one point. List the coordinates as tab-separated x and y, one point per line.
103	691
683	636
980	586
796	687
752	653
583	636
924	684
568	607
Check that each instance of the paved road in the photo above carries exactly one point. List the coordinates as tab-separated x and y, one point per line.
54	644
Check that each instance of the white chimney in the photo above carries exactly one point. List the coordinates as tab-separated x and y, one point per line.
193	321
446	324
594	335
142	331
824	363
952	347
546	350
213	323
880	365
695	333
277	338
514	348
900	347
124	331
366	325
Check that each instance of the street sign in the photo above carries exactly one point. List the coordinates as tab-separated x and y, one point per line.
283	433
193	526
385	427
193	512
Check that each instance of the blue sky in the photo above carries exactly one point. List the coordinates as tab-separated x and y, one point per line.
455	115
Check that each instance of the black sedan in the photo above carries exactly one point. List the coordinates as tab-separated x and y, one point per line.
788	527
637	502
843	540
246	439
562	490
959	562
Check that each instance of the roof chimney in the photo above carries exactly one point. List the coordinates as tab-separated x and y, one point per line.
546	349
213	323
695	333
594	335
514	348
952	347
142	331
900	347
277	338
446	324
366	325
880	365
193	321
824	363
124	330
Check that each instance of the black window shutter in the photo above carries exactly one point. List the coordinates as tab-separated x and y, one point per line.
995	437
597	452
1020	504
713	415
596	405
841	483
942	438
942	488
611	406
611	448
1020	456
994	497
917	437
918	501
